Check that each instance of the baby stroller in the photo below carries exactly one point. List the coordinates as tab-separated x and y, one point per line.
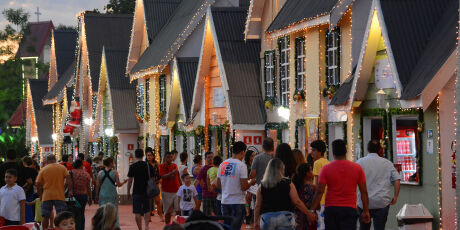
199	221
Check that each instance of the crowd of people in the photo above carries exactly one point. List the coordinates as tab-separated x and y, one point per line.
54	195
274	189
280	188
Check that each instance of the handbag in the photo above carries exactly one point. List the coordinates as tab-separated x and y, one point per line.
152	189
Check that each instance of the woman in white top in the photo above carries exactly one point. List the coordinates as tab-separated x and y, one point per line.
183	164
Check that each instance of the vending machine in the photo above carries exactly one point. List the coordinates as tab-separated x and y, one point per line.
406	152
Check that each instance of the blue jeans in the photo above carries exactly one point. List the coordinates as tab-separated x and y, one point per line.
186	212
82	200
378	216
237	211
282	220
218	208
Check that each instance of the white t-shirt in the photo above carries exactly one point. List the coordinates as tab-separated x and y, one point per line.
10	198
186	194
230	173
181	170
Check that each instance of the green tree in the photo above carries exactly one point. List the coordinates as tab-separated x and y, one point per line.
120	6
18	17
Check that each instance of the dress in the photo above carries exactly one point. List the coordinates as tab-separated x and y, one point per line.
108	192
306	196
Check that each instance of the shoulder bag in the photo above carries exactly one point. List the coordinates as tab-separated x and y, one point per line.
152	189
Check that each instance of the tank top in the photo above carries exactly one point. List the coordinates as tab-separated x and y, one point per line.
277	199
198	188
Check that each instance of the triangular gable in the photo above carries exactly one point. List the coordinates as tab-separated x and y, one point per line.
39	33
171	37
429	58
149	17
121	93
375	29
186	70
104	30
241	83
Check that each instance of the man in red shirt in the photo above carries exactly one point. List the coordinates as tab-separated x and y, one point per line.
67	162
170	183
86	165
341	178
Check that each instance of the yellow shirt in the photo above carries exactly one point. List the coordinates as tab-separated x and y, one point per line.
52	177
38	211
317	166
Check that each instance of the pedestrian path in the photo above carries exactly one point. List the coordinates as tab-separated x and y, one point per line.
126	218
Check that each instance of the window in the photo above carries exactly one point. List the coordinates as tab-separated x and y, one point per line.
162	93
405	148
300	63
140	100
284	70
147	96
333	57
269	74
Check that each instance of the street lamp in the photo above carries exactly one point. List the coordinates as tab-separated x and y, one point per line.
109	132
283	112
381	99
88	121
54	136
34	139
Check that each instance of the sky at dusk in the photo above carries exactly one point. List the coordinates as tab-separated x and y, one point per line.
59	11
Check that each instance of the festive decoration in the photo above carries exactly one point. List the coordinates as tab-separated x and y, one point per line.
329	91
270	103
279	129
299	96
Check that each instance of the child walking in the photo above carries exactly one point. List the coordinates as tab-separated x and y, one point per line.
12	200
303	182
38	213
185	194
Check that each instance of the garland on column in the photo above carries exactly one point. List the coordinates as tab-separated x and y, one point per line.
298	123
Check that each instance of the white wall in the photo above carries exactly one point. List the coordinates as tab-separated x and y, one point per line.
123	158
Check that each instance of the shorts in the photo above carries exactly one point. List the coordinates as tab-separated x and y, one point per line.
199	196
47	207
140	204
169	199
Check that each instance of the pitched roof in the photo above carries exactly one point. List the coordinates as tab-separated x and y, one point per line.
171	37
17	119
422	35
43	114
187	68
108	30
241	64
343	92
123	93
296	11
65	42
157	14
57	89
32	44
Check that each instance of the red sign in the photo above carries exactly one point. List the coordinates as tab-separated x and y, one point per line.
47	149
257	140
130	146
247	140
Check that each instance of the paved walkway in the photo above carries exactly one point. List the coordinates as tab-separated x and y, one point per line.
126	218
